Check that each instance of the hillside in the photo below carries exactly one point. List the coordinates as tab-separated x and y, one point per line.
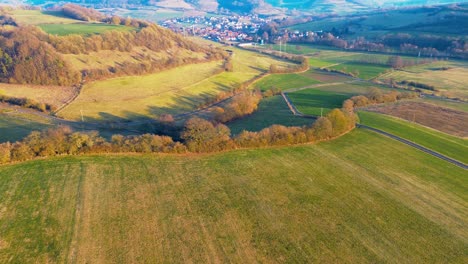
107	46
350	200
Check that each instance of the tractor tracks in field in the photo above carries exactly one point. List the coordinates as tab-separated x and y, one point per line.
455	162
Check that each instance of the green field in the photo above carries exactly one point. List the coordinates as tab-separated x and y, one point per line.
171	91
284	81
13	128
451	82
82	28
364	70
313	101
271	111
448	145
36	17
353	200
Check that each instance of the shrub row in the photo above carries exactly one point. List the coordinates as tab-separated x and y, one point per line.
419	85
375	96
27	103
198	135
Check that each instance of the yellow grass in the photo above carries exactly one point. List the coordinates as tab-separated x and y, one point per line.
451	82
172	91
36	17
54	95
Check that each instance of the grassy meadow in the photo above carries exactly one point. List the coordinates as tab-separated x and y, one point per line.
285	81
37	17
451	81
352	200
445	144
364	71
82	28
271	111
171	91
312	101
16	127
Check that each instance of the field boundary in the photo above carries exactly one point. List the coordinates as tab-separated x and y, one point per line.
455	162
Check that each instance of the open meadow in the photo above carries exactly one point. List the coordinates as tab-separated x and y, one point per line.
15	126
448	77
349	200
171	91
37	17
271	111
82	28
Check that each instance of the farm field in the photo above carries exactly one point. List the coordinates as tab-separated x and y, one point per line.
445	144
364	71
312	101
326	96
451	82
285	81
172	91
447	120
82	28
36	17
366	65
54	95
271	111
349	200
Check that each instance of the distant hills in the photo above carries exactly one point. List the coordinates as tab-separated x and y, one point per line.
262	6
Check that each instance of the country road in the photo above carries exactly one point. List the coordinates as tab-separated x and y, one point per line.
296	112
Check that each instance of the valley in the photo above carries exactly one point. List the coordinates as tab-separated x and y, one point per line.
233	131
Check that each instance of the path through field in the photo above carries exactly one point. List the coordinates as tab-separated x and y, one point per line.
296	112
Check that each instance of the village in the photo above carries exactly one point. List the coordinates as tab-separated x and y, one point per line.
234	29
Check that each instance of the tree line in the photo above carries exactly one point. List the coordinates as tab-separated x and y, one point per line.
376	96
198	136
27	103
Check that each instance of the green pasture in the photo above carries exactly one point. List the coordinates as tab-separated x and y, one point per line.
445	144
285	81
36	17
171	91
364	71
82	28
352	200
271	111
316	101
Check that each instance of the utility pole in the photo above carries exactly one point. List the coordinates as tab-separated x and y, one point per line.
82	119
321	111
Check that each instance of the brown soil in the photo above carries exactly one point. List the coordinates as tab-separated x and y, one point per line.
447	120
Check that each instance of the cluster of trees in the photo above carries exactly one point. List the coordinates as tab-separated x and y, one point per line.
241	105
26	58
203	136
376	96
27	103
418	85
81	13
219	97
352	74
198	135
63	141
87	14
